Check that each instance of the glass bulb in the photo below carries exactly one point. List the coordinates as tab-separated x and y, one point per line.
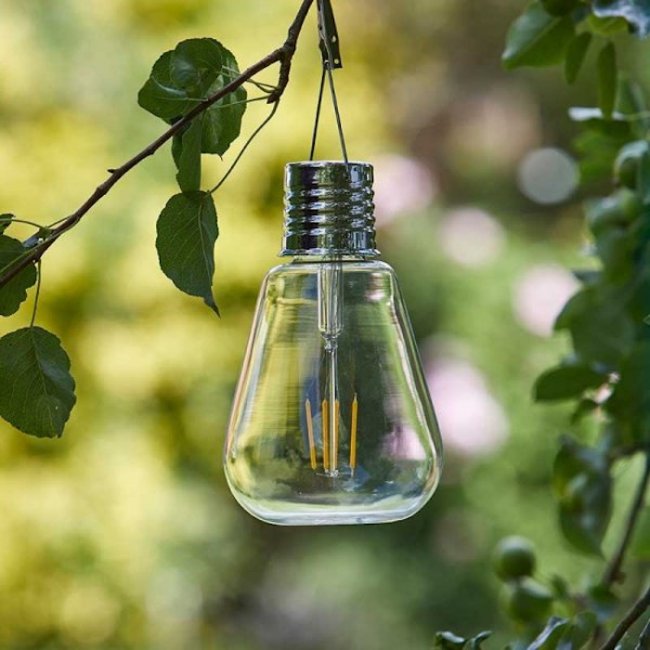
332	422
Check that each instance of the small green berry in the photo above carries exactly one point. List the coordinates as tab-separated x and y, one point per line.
514	558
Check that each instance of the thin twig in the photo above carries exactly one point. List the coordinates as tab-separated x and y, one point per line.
613	572
282	55
630	619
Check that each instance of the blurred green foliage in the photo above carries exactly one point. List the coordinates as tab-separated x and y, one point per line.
123	534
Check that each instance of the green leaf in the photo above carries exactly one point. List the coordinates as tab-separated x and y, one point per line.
616	126
5	221
640	548
615	248
160	96
560	588
575	56
607	79
449	641
36	387
635	12
195	65
559	7
631	98
601	330
550	636
187	232
627	166
476	642
537	38
582	481
15	291
640	300
581	629
631	396
597	153
189	158
565	382
563	634
643	177
223	119
617	210
584	408
197	69
587	276
606	26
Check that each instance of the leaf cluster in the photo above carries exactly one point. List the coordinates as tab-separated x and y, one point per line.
36	386
606	375
187	227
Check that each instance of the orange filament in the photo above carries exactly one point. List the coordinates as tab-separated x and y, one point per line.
353	433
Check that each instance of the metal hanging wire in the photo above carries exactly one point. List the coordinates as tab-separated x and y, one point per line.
331	54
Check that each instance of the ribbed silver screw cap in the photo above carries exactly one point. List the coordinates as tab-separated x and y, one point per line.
329	209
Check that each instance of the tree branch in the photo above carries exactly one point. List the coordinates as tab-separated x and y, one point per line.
631	617
282	55
613	572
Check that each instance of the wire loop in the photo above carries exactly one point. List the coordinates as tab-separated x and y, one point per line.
330	50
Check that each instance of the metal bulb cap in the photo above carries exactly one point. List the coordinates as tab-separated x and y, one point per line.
329	209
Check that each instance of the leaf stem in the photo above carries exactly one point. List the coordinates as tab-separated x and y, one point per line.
282	55
27	223
38	293
264	87
630	618
252	137
613	573
244	101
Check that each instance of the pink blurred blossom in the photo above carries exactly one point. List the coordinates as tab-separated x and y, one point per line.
540	294
472	421
402	186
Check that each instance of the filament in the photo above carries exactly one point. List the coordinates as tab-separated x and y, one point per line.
310	434
353	433
325	422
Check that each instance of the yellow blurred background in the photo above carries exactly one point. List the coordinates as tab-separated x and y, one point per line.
123	534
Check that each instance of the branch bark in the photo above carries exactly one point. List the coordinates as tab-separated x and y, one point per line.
631	617
282	55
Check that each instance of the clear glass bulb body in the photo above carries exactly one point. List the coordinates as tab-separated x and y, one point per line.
332	421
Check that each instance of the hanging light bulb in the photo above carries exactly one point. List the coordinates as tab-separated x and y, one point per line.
332	422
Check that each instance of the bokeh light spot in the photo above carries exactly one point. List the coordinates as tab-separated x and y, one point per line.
547	176
471	237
